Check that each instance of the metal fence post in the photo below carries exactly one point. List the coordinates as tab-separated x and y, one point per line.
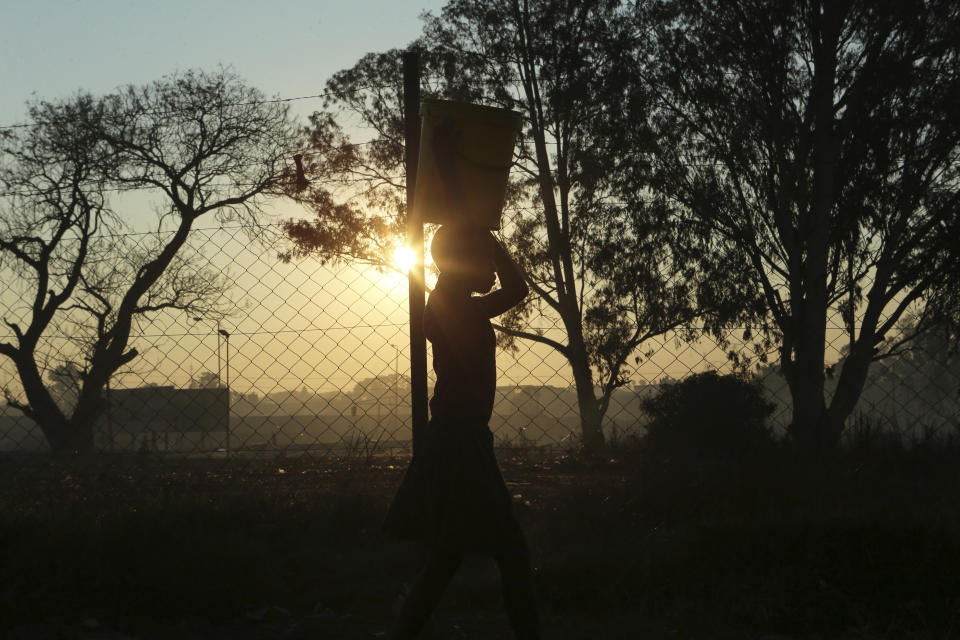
418	341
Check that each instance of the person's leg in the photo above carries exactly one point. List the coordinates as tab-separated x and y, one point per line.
437	570
518	596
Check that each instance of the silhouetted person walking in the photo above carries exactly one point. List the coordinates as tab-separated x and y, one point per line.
453	500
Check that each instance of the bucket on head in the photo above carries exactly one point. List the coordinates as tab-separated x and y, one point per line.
465	155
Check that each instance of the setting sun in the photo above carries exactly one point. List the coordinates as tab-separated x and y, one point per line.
403	258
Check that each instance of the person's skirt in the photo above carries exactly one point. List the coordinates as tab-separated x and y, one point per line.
452	496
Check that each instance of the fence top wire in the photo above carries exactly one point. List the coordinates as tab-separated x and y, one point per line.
274	100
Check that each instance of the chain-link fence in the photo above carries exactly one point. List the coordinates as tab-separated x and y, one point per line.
298	358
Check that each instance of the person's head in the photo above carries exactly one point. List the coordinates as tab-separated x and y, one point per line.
466	253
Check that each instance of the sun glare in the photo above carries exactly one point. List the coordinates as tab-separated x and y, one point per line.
403	258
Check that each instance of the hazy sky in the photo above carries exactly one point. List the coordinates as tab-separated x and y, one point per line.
286	48
52	48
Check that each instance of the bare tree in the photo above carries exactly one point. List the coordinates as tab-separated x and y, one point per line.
212	146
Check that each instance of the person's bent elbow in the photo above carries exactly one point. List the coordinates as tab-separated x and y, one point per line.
523	290
518	291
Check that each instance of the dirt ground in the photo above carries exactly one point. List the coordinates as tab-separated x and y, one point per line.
293	550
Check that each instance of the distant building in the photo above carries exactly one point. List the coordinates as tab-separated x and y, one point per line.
164	419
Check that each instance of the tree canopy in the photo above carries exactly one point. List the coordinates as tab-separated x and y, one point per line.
814	145
605	273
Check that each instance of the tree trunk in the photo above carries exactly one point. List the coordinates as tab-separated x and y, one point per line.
853	377
65	435
809	427
805	377
809	414
59	430
70	437
591	419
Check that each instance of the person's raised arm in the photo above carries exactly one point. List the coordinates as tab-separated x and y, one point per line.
513	285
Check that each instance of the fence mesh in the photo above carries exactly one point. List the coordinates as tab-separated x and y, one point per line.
301	358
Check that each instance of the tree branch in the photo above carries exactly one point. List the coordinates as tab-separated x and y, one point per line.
532	336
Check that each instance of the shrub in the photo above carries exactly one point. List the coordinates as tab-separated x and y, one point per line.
708	414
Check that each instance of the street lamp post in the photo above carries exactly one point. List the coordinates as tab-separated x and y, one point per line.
219	356
226	336
220	377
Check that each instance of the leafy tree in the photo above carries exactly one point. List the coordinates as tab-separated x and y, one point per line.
207	143
601	271
814	146
384	388
206	380
65	380
919	388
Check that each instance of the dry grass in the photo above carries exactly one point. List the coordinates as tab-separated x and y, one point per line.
624	547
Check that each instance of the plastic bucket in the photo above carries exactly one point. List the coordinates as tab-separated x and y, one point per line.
477	148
